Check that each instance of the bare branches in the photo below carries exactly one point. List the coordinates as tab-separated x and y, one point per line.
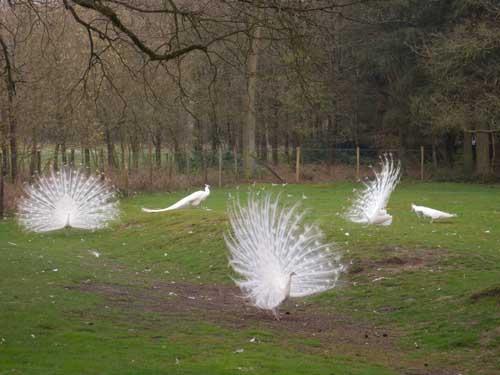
115	20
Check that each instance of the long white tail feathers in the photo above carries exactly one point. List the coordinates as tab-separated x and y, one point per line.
269	244
149	210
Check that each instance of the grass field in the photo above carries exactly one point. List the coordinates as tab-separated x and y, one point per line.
419	298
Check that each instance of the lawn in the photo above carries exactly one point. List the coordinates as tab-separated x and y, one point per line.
419	297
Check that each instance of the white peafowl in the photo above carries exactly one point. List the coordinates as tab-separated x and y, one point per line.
431	213
369	206
193	199
276	255
67	198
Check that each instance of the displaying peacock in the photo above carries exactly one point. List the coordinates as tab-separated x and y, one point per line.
370	205
67	198
276	255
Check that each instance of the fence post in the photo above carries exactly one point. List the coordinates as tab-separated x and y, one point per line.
422	163
357	162
220	166
297	164
1	186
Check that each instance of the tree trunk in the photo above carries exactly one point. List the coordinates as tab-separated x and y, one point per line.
11	115
86	159
134	146
34	155
12	134
274	139
449	148
483	154
287	144
468	160
402	149
250	124
157	143
331	135
263	143
55	163
434	153
63	154
110	148
123	159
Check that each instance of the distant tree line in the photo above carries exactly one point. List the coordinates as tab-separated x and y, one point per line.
254	77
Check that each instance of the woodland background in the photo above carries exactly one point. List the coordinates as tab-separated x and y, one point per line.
154	92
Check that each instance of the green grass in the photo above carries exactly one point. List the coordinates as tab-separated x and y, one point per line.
435	306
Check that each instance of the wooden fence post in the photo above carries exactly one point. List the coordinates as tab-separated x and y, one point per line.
357	162
297	165
422	163
220	166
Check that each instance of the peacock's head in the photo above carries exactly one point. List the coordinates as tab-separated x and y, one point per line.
207	187
413	207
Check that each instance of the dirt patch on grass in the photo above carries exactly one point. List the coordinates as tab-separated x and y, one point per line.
492	292
224	306
395	260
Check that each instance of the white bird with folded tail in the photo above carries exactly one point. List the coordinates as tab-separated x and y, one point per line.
431	213
192	200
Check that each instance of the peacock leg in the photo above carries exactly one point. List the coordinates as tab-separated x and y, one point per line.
276	314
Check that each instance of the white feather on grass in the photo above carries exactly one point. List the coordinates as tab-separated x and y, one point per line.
370	204
276	255
67	198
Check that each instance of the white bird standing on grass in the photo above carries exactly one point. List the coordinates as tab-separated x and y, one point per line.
370	206
67	198
431	213
193	199
276	255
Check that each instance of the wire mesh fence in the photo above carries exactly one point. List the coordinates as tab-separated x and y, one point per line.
145	168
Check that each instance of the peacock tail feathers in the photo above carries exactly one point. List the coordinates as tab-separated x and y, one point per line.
268	243
67	198
371	202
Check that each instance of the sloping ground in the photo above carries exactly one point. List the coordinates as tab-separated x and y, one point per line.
223	306
419	298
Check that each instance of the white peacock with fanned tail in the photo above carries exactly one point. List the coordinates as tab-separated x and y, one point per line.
67	198
276	255
370	205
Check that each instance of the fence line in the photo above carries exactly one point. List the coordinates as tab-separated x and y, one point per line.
145	168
